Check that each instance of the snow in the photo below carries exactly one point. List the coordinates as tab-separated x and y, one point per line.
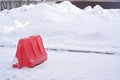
63	66
63	26
94	29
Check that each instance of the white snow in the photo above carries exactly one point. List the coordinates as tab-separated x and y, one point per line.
63	66
94	29
63	26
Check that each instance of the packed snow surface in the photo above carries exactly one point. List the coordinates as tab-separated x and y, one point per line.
63	26
63	66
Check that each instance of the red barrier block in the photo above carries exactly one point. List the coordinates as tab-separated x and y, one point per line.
30	52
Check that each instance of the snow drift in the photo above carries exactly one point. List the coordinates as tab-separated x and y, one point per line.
63	26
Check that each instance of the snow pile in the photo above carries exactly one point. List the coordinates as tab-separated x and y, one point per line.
62	25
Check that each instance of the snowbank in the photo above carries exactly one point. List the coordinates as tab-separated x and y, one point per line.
62	25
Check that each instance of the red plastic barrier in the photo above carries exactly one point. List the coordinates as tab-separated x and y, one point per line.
30	52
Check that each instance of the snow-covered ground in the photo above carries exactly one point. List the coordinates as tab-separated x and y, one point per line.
63	66
63	26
